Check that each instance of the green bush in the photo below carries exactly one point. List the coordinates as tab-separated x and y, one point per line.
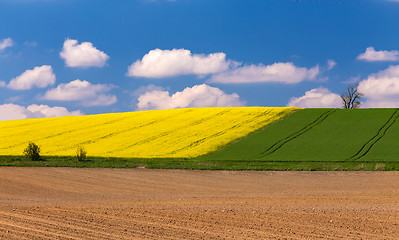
32	152
81	154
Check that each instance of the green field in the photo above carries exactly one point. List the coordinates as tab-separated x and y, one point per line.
308	139
323	139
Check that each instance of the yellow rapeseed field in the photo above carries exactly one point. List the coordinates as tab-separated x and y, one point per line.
180	133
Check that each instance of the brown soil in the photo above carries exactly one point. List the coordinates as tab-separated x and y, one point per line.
67	203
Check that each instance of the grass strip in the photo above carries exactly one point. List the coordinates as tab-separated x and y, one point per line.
198	164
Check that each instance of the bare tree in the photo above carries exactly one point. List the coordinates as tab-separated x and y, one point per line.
351	98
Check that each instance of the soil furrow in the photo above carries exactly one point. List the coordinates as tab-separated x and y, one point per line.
70	203
32	231
55	227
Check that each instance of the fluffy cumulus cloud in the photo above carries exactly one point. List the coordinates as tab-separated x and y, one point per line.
82	55
5	43
167	63
85	92
40	77
371	55
197	96
381	89
317	98
277	72
12	111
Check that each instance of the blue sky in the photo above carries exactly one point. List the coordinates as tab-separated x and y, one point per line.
71	57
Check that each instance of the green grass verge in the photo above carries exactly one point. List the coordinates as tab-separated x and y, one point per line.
258	165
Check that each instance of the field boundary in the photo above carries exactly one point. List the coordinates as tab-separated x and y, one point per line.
199	141
380	134
277	145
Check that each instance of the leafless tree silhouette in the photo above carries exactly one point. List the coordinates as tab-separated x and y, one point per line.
350	99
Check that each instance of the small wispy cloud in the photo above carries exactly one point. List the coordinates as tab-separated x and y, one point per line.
30	43
5	43
331	64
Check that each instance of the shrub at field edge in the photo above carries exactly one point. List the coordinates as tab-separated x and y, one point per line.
81	154
32	152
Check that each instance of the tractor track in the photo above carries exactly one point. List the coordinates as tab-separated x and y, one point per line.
276	146
380	134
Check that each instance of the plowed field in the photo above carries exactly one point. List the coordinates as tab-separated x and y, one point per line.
71	203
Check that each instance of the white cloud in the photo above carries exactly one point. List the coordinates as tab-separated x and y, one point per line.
40	77
5	43
331	64
167	63
381	89
46	111
317	98
197	96
82	55
371	55
12	111
159	63
85	92
3	84
277	72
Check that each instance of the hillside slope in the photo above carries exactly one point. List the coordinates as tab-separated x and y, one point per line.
175	133
321	135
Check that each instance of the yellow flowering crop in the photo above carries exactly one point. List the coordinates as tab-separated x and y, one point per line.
149	134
